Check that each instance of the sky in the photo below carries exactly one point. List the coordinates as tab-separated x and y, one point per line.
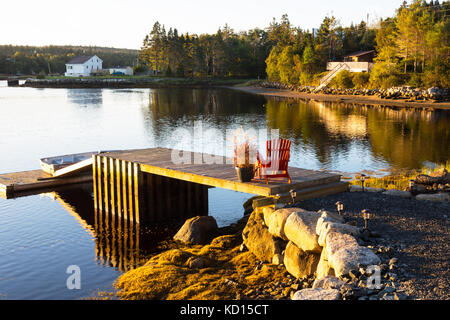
124	23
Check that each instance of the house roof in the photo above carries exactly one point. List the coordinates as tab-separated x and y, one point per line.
79	59
359	53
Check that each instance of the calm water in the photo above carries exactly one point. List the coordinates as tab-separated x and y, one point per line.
41	235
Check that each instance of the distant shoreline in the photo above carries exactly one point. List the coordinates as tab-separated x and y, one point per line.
372	100
128	82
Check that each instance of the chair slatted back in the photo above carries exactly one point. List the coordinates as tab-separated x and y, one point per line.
278	153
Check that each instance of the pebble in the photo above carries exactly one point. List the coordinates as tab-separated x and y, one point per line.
295	286
354	274
393	261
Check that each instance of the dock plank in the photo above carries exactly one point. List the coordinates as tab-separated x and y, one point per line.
22	183
159	161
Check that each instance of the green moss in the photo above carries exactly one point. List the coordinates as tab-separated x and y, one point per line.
226	272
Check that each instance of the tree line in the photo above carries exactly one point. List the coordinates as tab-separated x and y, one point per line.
278	52
52	59
223	54
412	48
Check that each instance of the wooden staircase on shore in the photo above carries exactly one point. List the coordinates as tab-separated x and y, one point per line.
330	75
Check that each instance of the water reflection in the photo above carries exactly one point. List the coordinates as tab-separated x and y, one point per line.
403	137
85	97
335	136
118	243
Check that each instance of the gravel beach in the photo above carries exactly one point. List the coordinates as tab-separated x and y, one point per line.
415	232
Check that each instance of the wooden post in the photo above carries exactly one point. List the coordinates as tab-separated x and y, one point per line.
124	191
99	181
158	208
130	191
137	191
112	178
94	182
106	186
189	198
119	189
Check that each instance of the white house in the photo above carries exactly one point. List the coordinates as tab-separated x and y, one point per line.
83	66
128	71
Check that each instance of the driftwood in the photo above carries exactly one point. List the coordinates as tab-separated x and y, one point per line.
441	177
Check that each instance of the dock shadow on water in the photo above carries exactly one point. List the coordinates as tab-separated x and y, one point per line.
119	242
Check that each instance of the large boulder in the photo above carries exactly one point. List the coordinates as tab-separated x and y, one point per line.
344	253
258	239
317	294
327	227
327	217
298	262
197	230
329	282
300	228
336	241
437	197
324	268
267	212
276	222
348	259
441	176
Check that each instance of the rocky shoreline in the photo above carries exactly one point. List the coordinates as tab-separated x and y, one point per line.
408	238
349	96
409	94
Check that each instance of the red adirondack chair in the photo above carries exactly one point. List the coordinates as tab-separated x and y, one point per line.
276	164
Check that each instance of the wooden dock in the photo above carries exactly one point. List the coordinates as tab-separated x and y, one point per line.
146	185
18	184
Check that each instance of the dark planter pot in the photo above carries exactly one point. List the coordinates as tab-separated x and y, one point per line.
245	174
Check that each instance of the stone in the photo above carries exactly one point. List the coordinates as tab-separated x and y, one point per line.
437	197
336	241
327	217
226	241
277	259
197	263
329	282
370	189
393	261
323	267
197	230
300	228
327	227
398	193
267	212
354	274
317	294
276	222
298	262
348	258
344	253
258	239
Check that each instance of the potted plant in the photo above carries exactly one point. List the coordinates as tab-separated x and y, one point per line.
244	155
